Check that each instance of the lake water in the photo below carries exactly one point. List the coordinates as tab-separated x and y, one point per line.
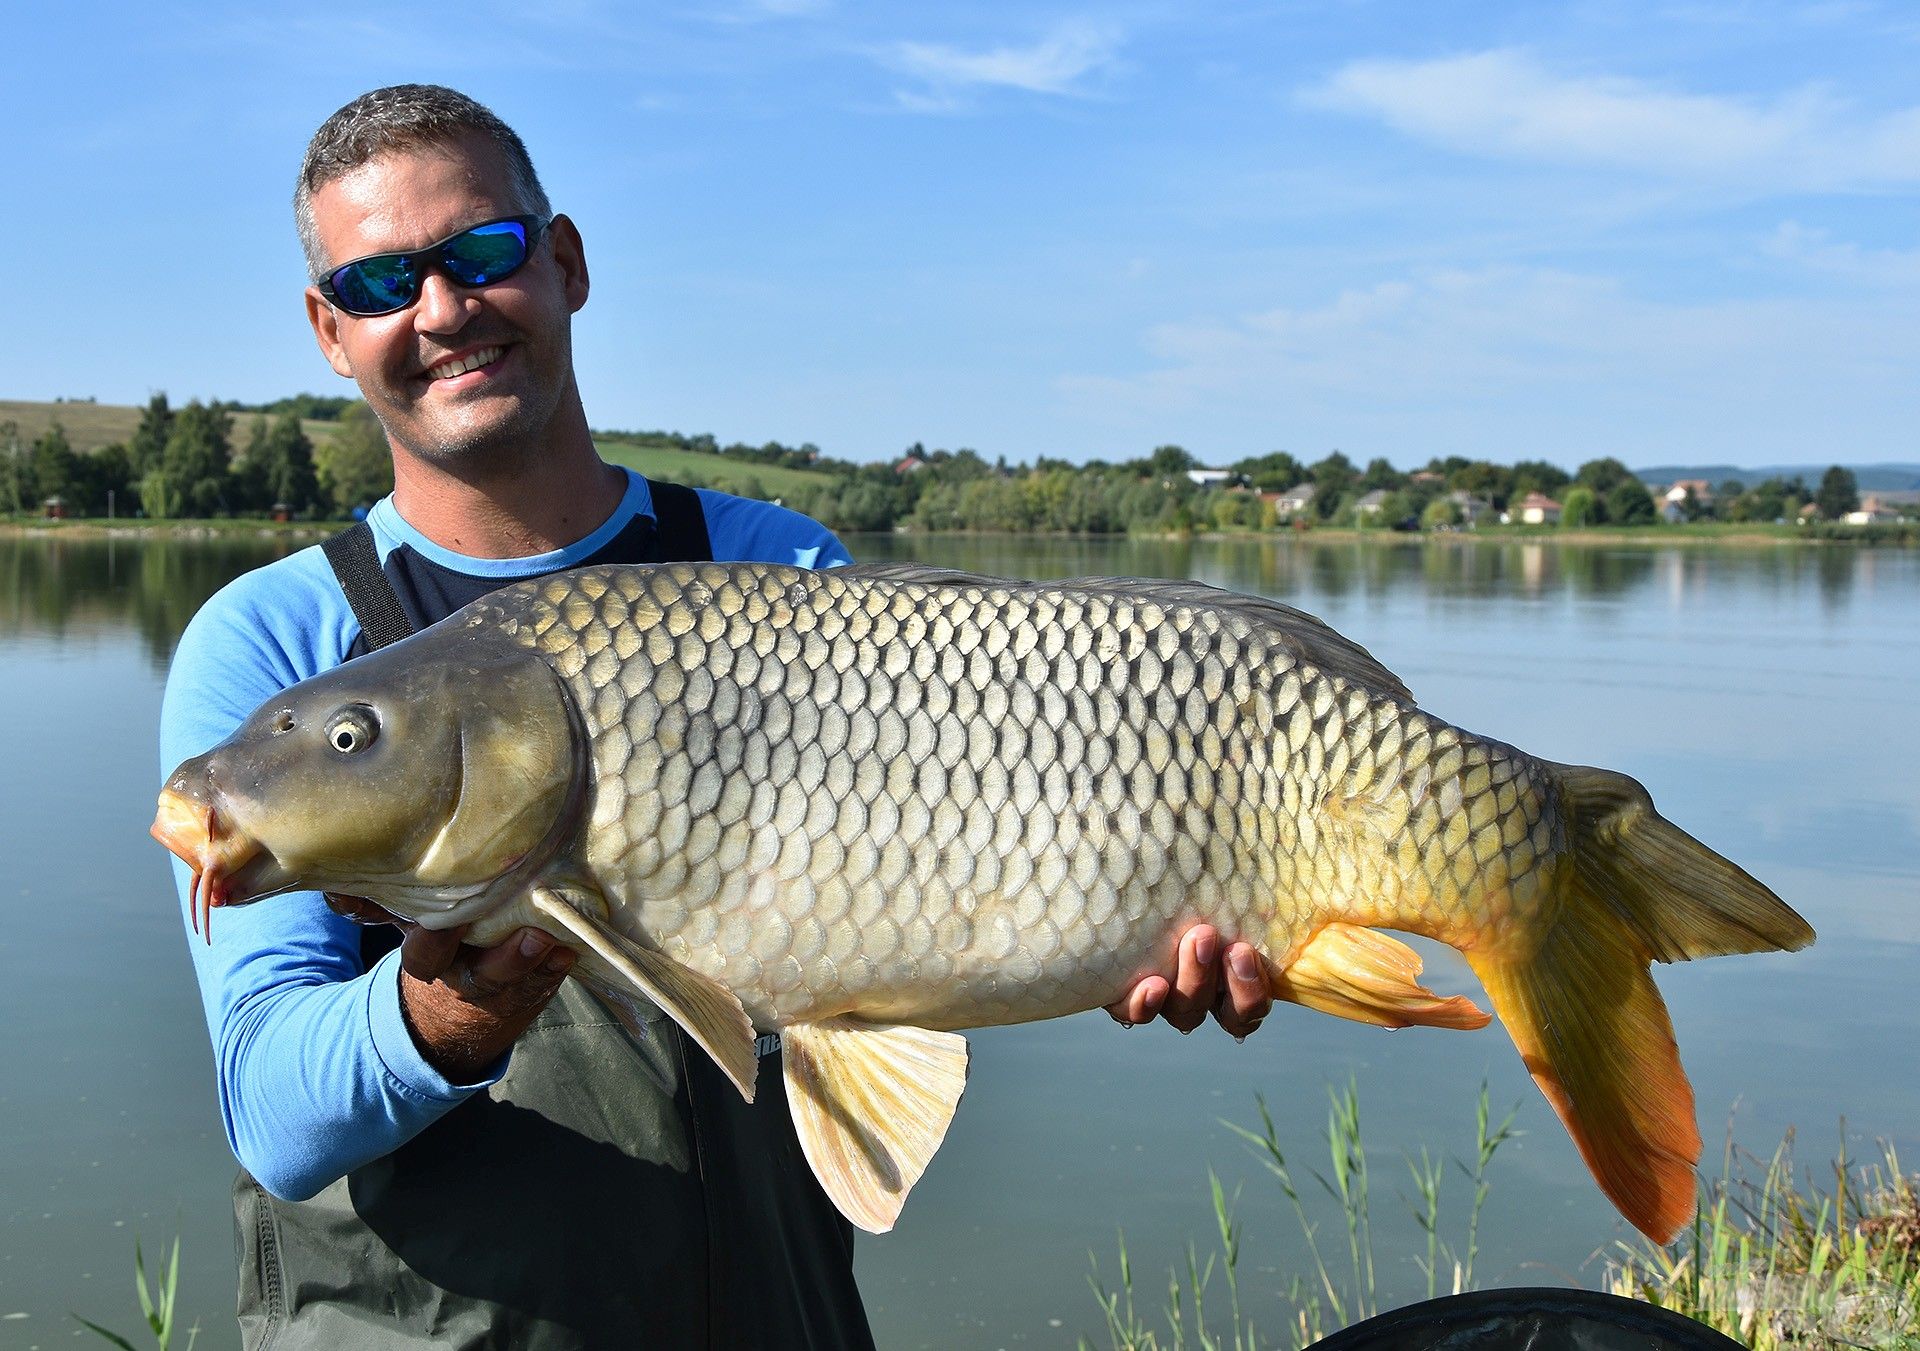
1766	697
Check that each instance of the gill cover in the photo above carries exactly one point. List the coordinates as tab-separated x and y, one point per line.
415	776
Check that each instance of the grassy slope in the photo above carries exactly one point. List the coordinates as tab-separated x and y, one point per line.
668	462
90	426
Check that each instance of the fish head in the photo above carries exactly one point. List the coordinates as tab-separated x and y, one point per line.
424	777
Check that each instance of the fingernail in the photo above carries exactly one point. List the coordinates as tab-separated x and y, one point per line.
532	944
1185	1030
561	960
1239	1041
1242	964
1205	948
1125	1023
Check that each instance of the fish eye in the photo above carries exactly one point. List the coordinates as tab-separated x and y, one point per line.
352	729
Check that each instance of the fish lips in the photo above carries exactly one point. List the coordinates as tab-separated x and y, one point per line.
230	867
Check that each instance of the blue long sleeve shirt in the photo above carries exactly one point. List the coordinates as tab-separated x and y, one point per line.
317	1072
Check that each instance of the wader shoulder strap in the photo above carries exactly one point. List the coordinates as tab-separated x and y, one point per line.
680	524
357	564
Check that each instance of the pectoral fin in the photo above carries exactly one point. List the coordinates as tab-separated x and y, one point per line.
1357	973
871	1103
706	1010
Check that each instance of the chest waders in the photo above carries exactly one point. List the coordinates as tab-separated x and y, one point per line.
609	1192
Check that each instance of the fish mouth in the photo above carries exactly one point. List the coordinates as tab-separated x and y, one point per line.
230	867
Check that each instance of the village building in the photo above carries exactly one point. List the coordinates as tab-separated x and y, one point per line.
1537	509
1293	501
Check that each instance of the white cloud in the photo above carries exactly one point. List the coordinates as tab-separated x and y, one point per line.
1518	362
1505	103
1818	251
1056	64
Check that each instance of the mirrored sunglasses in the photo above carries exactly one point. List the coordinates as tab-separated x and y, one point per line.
381	283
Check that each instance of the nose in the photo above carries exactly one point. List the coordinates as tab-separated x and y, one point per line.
443	306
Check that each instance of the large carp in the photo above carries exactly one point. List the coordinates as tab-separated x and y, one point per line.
870	806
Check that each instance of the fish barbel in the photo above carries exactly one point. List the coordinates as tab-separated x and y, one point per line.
871	806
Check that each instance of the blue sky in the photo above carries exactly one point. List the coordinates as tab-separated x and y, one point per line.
1668	232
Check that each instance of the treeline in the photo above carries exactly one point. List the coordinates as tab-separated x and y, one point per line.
184	463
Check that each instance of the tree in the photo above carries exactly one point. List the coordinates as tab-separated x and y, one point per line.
196	460
286	466
1839	493
55	468
353	465
1603	476
1629	503
1273	473
16	471
1332	478
149	441
1441	513
104	481
1170	462
1380	474
1578	508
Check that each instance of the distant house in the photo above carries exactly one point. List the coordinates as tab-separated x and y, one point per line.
1293	501
1370	504
1538	509
1425	476
1874	510
1677	494
1209	478
54	508
1473	510
909	465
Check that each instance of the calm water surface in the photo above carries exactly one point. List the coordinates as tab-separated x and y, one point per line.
1766	697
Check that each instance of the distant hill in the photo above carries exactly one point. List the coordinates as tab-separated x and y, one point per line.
90	426
1871	477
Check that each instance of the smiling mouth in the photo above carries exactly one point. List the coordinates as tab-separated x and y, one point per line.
472	361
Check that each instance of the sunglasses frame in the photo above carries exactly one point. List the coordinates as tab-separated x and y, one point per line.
418	259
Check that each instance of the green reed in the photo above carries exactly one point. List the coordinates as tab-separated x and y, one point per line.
1345	1291
1778	1261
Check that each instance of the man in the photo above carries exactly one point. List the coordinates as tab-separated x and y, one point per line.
451	1144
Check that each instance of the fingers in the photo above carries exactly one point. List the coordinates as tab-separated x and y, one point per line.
526	969
1232	987
1142	1002
1196	980
1244	999
426	954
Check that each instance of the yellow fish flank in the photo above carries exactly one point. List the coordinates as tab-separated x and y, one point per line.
869	807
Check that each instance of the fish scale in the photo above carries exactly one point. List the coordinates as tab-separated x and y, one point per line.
871	806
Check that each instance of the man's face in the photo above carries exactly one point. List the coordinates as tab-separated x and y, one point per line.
408	364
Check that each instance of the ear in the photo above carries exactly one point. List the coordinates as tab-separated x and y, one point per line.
326	331
571	255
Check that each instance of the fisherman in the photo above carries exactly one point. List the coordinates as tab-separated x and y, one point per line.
442	1143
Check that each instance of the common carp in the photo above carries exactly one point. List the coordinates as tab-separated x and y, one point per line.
869	807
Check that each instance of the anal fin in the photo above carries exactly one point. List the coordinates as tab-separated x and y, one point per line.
1356	973
705	1009
871	1103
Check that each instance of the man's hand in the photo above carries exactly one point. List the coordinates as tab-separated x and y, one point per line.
465	1005
1238	1002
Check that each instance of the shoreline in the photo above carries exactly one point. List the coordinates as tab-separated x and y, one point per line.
1898	534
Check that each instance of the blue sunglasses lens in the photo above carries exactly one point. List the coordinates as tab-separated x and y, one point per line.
391	281
377	285
485	253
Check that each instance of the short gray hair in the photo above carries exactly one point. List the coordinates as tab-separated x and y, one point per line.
403	117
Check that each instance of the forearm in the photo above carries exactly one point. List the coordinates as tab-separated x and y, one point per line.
317	1070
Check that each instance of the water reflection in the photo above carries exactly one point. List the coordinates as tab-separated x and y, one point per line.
58	583
65	583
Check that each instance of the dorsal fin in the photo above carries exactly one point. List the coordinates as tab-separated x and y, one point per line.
1308	639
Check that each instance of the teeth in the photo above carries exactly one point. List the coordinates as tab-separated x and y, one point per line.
472	361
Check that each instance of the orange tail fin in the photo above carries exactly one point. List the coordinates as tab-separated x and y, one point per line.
1576	996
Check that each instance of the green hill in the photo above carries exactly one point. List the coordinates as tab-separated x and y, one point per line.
90	426
700	469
